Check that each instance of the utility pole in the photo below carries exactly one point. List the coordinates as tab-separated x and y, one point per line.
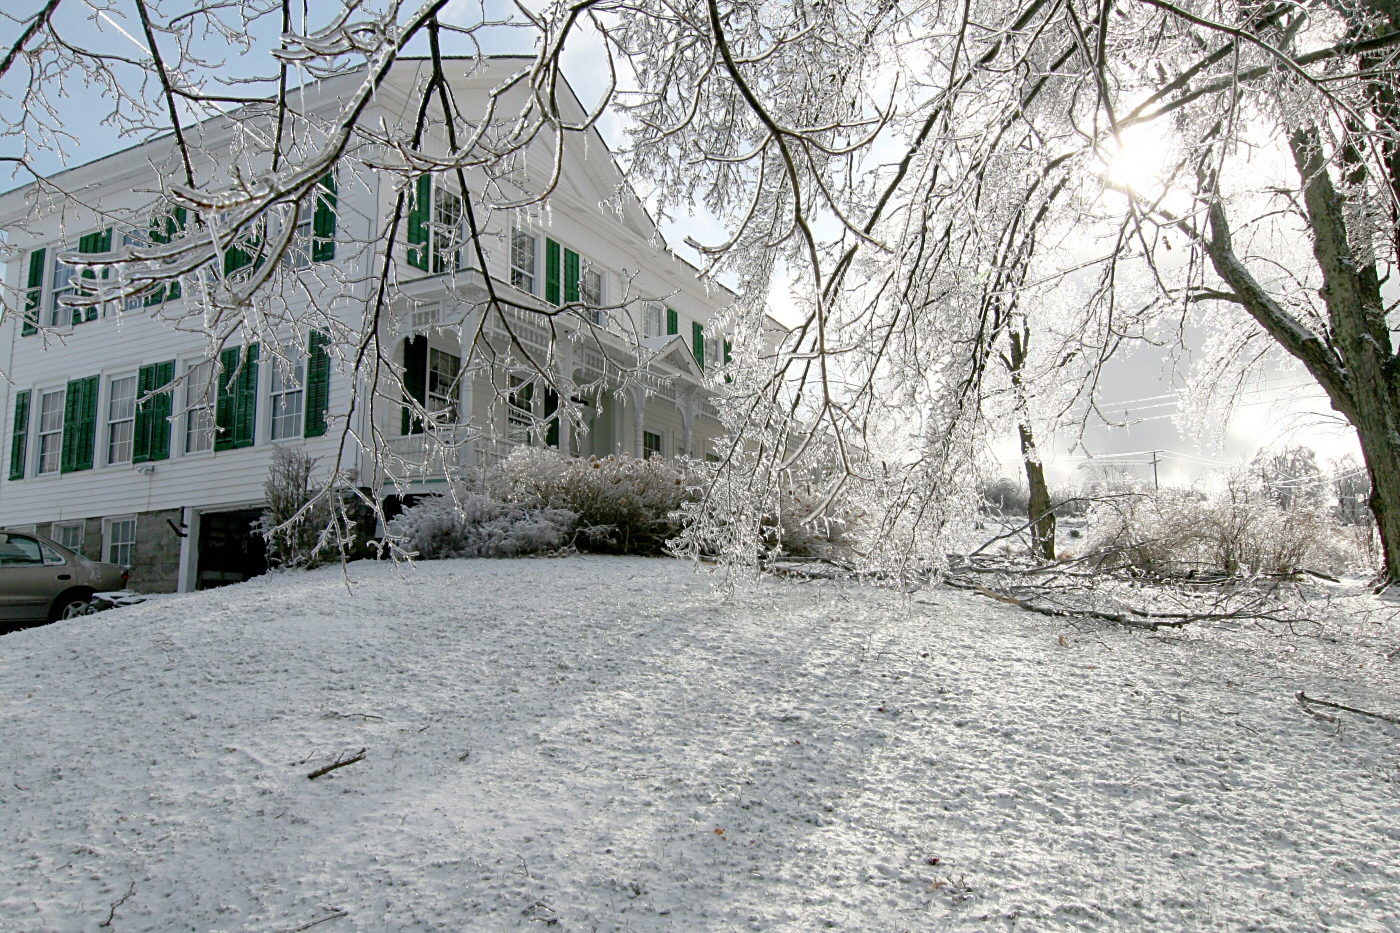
1155	484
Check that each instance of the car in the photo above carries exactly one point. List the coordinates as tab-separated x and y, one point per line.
43	581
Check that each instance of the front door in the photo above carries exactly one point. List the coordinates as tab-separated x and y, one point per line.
230	551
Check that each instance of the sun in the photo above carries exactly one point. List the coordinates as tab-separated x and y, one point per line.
1138	159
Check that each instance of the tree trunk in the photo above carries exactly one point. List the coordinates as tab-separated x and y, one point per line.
1040	511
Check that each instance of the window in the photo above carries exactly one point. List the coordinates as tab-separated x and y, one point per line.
447	216
442	385
17	549
434	227
63	284
288	380
199	415
51	557
651	445
51	431
121	418
590	289
121	539
70	535
520	409
590	286
652	313
132	238
298	255
522	261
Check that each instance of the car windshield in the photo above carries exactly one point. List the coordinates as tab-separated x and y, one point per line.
17	549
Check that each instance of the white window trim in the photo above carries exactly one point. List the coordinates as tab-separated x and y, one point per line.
107	524
104	408
293	355
36	443
181	449
56	532
510	259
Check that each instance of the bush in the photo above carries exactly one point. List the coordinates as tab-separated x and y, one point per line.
467	524
623	505
829	534
1243	530
1003	496
299	524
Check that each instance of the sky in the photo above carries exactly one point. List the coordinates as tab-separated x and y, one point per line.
1142	387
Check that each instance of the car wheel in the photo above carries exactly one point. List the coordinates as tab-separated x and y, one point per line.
71	607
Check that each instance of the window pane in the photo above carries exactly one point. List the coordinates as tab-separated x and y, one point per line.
51	431
62	285
591	287
199	417
121	412
448	217
17	549
121	536
522	261
443	368
71	536
288	376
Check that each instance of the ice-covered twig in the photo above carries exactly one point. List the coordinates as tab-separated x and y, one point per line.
360	756
1305	701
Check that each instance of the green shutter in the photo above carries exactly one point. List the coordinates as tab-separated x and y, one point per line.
236	257
419	216
79	424
151	440
19	442
728	347
245	417
415	381
571	275
323	221
161	407
226	406
673	322
141	434
318	382
551	271
697	343
236	411
34	295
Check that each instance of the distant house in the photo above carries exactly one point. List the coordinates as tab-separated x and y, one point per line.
169	486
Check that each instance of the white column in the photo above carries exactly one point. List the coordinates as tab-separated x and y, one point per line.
686	404
187	579
639	408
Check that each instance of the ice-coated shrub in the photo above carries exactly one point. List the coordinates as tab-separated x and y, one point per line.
624	505
1241	530
468	524
806	525
298	524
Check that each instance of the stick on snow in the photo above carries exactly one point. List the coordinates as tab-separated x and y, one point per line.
360	756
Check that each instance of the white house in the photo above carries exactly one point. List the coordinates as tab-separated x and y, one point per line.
168	486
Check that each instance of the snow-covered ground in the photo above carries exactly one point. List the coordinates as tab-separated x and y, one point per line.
613	744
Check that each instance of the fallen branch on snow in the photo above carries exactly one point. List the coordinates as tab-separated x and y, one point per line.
1134	617
1305	701
338	763
111	914
307	926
